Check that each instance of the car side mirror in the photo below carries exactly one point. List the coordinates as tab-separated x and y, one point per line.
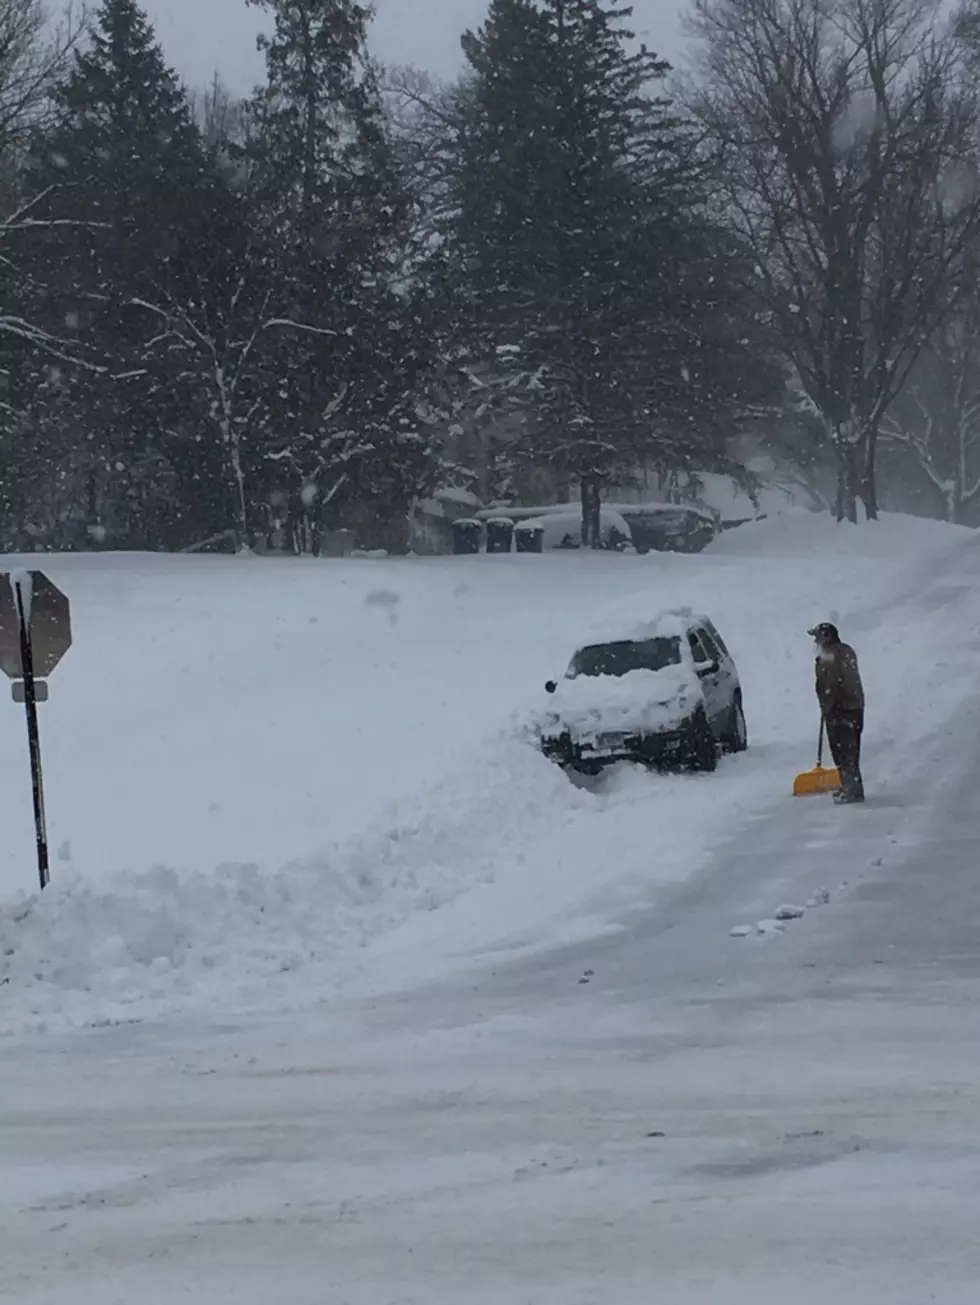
551	687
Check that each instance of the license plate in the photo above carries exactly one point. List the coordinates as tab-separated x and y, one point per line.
610	740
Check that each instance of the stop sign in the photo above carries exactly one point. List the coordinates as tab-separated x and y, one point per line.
48	615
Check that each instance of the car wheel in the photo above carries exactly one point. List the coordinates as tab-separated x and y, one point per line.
703	752
737	738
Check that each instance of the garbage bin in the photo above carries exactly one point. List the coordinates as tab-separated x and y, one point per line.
616	541
530	539
466	536
500	535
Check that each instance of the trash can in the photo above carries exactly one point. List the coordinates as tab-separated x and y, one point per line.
530	539
466	536
616	541
500	535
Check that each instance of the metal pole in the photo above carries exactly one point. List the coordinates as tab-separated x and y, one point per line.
33	738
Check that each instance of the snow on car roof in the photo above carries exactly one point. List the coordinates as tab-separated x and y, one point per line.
675	622
571	519
658	509
523	513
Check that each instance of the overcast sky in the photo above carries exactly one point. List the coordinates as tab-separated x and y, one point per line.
202	36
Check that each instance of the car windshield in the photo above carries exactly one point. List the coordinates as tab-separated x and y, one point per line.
627	655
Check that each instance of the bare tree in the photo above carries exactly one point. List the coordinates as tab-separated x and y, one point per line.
967	30
936	419
426	126
847	133
32	55
216	343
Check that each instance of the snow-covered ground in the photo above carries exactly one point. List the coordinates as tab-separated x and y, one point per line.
267	779
466	1034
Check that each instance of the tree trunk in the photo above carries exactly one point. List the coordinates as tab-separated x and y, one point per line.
238	492
94	534
846	505
847	478
591	511
869	479
294	522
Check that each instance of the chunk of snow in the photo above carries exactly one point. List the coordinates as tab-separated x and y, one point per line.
742	931
787	912
770	927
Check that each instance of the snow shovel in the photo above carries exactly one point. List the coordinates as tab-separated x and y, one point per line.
822	779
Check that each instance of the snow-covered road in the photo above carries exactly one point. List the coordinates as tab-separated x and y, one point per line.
705	1119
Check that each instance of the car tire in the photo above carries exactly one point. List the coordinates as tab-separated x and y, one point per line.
737	737
703	753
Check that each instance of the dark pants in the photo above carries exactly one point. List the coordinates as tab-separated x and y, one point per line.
844	730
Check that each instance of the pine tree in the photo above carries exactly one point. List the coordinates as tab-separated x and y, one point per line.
542	204
579	198
353	352
125	180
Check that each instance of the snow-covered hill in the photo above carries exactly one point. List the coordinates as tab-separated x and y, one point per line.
267	778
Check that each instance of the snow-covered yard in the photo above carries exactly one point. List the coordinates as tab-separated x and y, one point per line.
269	780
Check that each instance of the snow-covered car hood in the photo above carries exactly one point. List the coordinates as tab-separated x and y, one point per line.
648	701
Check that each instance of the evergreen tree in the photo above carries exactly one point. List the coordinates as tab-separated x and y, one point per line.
579	229
129	193
32	57
353	351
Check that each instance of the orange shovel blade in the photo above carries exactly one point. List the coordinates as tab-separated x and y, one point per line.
822	779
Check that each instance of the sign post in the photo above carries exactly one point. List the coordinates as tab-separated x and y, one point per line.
35	633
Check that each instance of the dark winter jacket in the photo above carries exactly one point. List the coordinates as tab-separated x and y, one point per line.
839	686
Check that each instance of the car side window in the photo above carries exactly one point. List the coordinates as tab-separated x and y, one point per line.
718	640
710	646
697	648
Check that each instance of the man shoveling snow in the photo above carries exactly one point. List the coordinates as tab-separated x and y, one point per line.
841	696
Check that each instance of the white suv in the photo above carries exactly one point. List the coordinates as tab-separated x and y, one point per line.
664	693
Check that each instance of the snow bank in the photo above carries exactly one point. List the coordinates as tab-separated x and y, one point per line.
160	940
818	537
353	769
